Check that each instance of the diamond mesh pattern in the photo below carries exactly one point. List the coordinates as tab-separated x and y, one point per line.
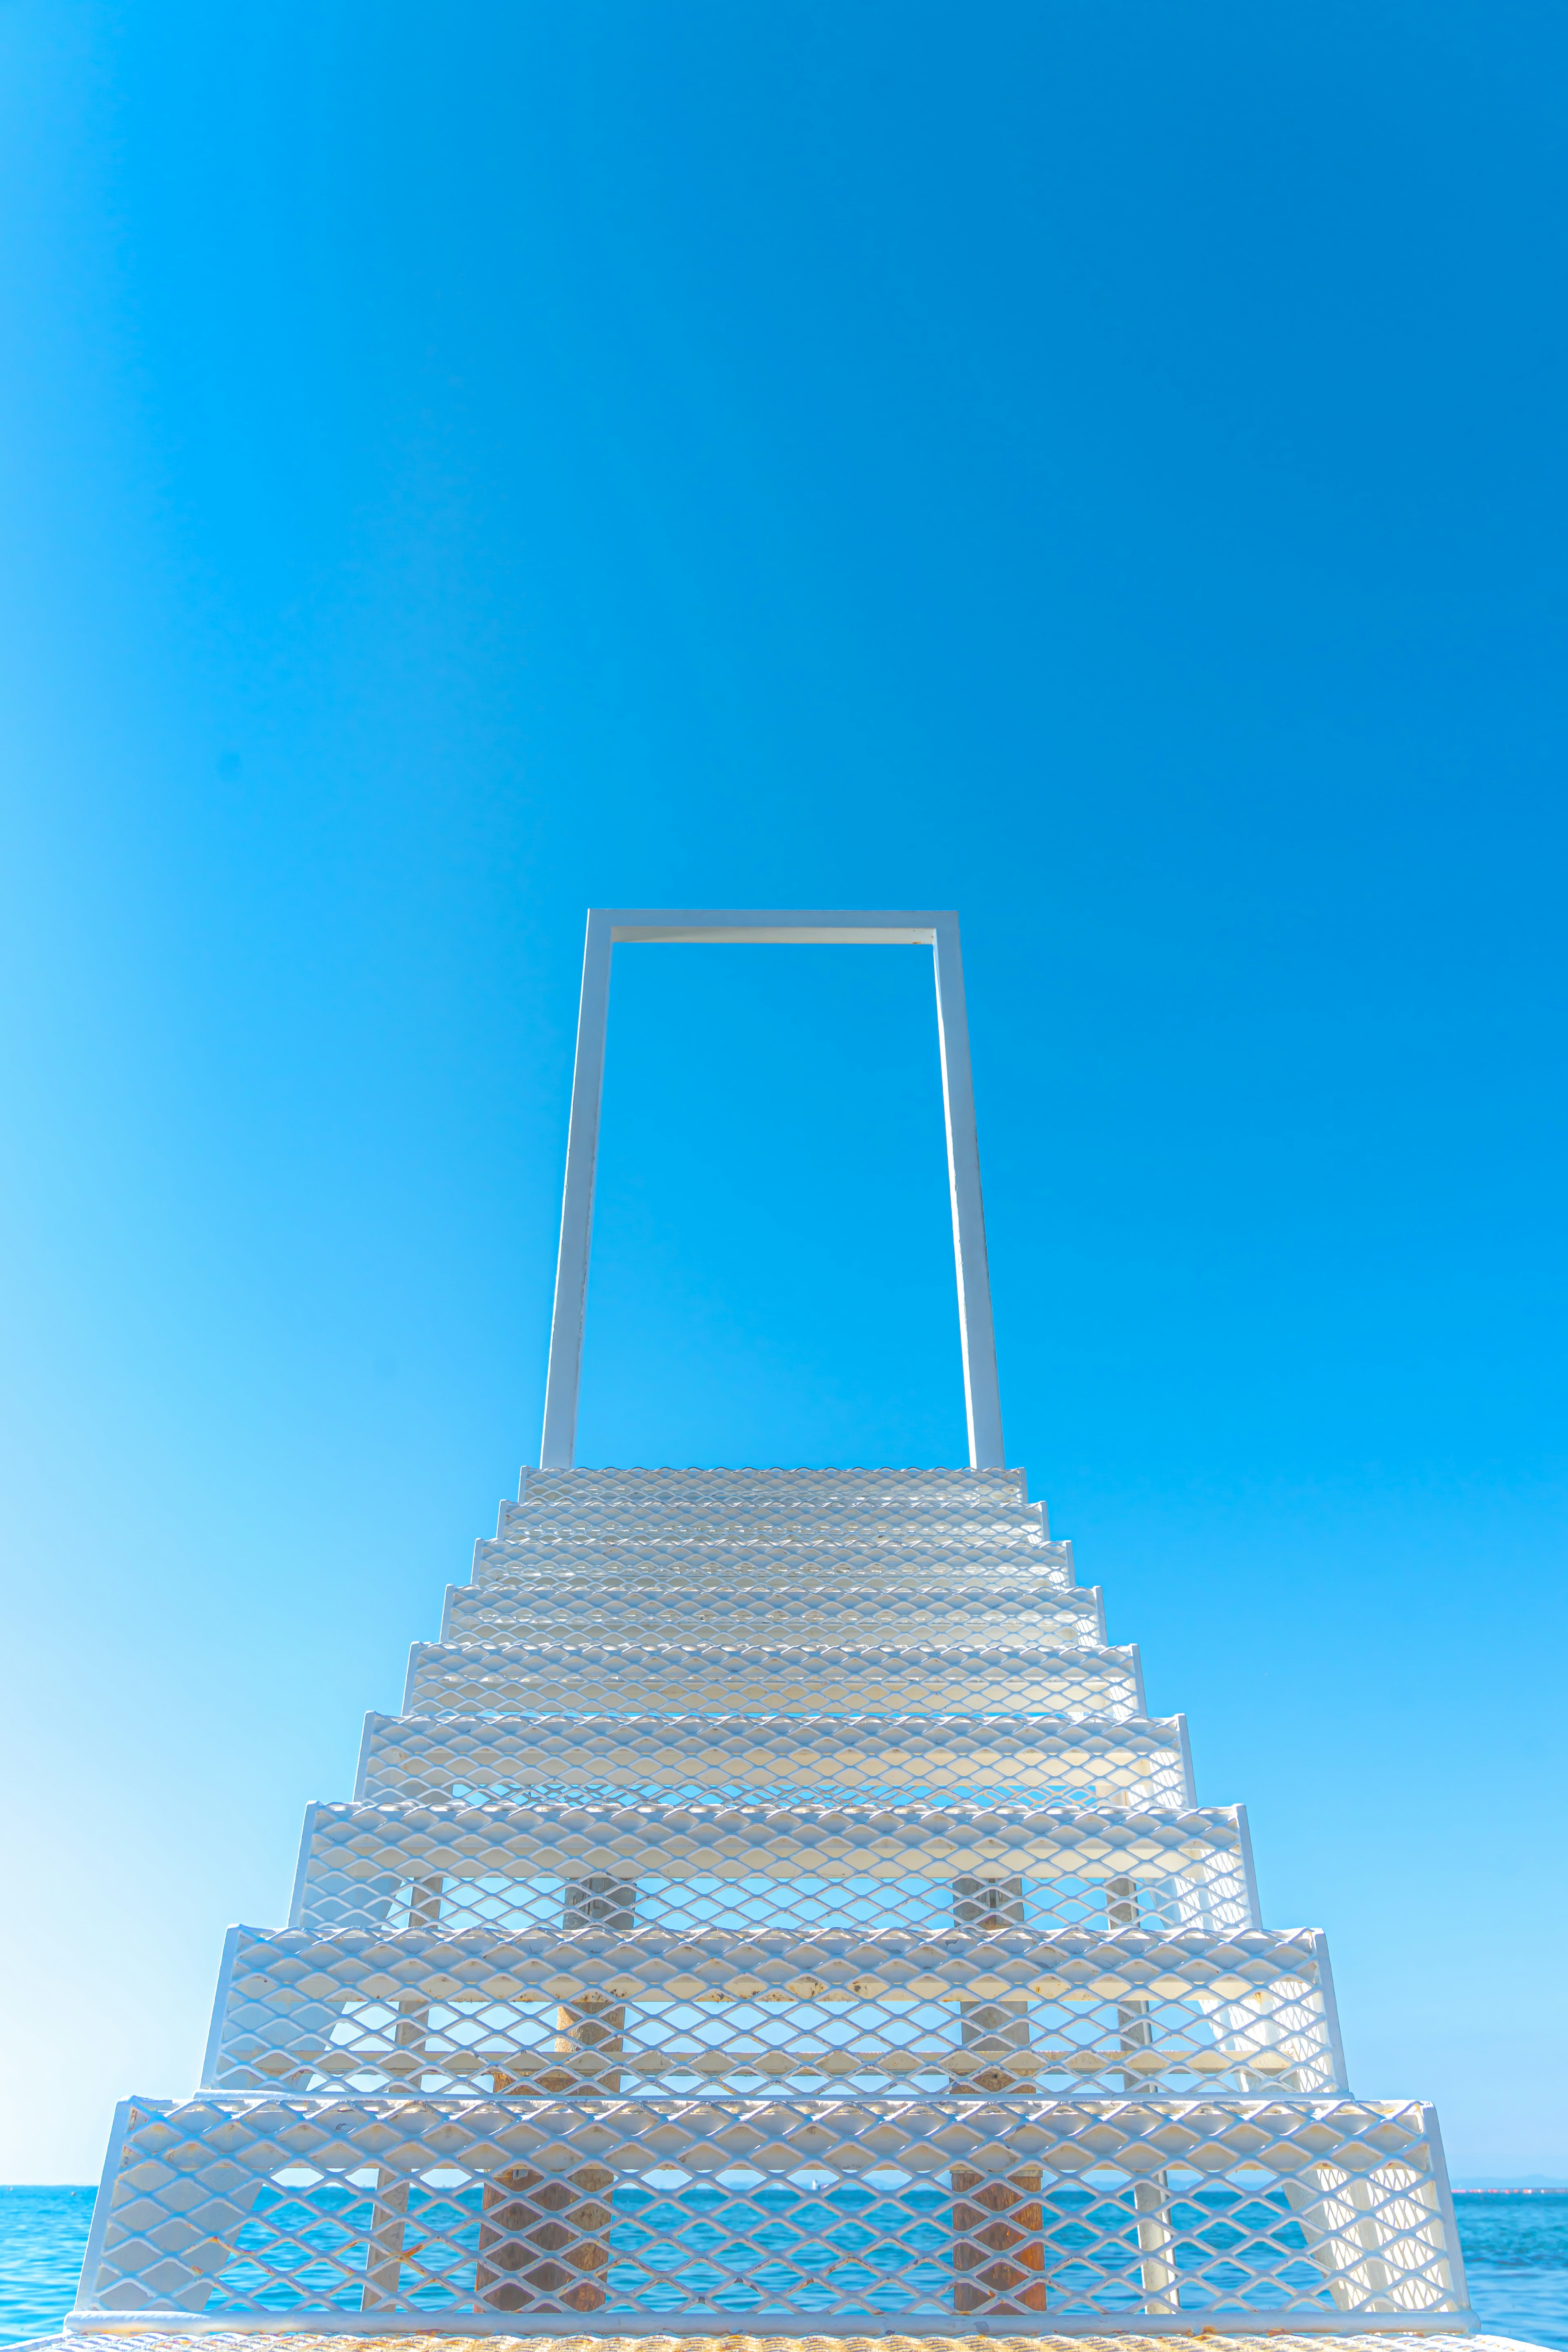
888	1759
846	1530
671	1491
669	1558
774	1909
600	2011
824	2208
544	1609
461	1866
601	1678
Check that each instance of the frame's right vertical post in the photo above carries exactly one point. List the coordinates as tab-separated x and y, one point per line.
982	1397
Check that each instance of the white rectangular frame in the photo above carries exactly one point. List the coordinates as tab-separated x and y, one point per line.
609	926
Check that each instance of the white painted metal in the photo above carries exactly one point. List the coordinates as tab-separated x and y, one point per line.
559	1437
609	926
534	1606
1017	1532
653	2010
774	1910
1228	2185
704	1489
766	1679
819	1759
788	1864
602	1996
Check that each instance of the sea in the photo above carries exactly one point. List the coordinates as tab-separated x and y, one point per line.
1515	2244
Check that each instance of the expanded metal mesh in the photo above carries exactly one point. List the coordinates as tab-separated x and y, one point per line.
976	1613
772	1908
590	1677
823	2209
671	1490
461	1866
890	1759
996	2009
843	1525
585	1561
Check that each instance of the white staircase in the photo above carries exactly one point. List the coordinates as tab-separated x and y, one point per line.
774	1910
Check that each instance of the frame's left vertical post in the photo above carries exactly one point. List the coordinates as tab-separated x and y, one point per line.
559	1439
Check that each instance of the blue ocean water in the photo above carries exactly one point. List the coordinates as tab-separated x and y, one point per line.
42	2234
1516	2255
1516	2260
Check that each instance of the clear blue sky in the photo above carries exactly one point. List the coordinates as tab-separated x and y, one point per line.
1098	465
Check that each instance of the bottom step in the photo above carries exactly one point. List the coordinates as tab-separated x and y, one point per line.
808	2216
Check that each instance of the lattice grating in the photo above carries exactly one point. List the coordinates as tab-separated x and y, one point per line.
584	1678
861	1759
976	1615
672	1490
460	1867
843	1527
824	2210
989	2010
742	1973
916	1562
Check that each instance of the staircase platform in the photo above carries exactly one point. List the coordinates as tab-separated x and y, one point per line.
369	1865
1138	1764
704	2210
977	1612
754	1677
597	2010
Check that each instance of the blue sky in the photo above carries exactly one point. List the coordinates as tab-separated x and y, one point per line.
1098	465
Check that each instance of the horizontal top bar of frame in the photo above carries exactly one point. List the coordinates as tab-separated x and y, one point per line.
774	927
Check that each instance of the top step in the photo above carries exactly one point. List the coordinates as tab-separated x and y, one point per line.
723	1492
